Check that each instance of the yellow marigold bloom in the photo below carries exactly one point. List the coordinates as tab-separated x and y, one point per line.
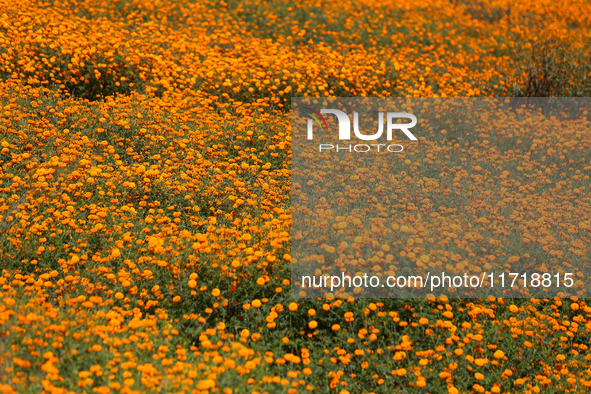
313	324
293	306
256	303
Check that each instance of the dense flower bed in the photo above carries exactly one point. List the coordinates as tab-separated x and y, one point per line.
145	196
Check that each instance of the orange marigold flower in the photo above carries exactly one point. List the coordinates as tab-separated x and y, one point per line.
513	308
499	354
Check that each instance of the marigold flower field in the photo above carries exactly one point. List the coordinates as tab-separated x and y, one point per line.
145	212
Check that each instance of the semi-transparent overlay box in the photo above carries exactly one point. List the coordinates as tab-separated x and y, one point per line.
444	197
